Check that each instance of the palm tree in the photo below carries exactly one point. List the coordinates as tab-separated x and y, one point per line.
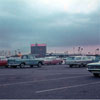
97	51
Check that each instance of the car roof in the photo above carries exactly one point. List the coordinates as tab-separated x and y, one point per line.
2	57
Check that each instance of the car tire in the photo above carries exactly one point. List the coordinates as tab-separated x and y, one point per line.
6	66
60	63
31	66
83	65
14	66
70	66
39	64
22	65
79	66
96	74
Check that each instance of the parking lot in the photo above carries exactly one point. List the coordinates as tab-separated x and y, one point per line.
48	82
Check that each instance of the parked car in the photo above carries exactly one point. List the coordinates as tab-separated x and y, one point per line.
79	61
3	61
94	68
52	61
24	60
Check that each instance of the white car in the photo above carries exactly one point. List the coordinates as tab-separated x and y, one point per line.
94	68
80	61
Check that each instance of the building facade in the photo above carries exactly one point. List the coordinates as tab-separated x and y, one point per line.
38	49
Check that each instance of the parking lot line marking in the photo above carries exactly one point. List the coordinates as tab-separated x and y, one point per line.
40	81
66	74
51	74
61	88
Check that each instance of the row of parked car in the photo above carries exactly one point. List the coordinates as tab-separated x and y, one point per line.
92	62
29	60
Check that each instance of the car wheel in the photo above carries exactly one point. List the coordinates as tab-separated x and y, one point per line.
60	63
22	65
14	66
79	66
31	66
6	66
70	66
83	65
39	64
96	74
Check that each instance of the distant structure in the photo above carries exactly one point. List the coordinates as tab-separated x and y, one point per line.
38	49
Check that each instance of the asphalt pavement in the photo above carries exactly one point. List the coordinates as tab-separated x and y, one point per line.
48	82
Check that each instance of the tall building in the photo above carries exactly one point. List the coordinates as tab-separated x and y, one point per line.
38	49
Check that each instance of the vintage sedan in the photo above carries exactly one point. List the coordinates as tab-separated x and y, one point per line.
3	61
52	61
79	61
94	68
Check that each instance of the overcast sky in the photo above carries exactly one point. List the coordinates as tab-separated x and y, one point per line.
58	23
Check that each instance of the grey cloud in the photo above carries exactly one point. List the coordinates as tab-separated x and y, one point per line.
21	26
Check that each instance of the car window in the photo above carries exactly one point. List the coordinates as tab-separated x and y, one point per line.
25	57
89	57
70	58
78	58
31	57
85	58
53	58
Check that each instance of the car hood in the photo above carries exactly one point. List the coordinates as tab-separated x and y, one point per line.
97	63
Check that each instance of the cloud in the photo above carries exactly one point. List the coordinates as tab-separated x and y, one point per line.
55	22
67	6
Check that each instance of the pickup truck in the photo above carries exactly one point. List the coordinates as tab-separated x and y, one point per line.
79	61
24	60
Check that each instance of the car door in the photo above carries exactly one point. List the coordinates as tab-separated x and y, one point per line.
78	59
25	59
31	60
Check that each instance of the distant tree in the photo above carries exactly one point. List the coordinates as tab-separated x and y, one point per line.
97	51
